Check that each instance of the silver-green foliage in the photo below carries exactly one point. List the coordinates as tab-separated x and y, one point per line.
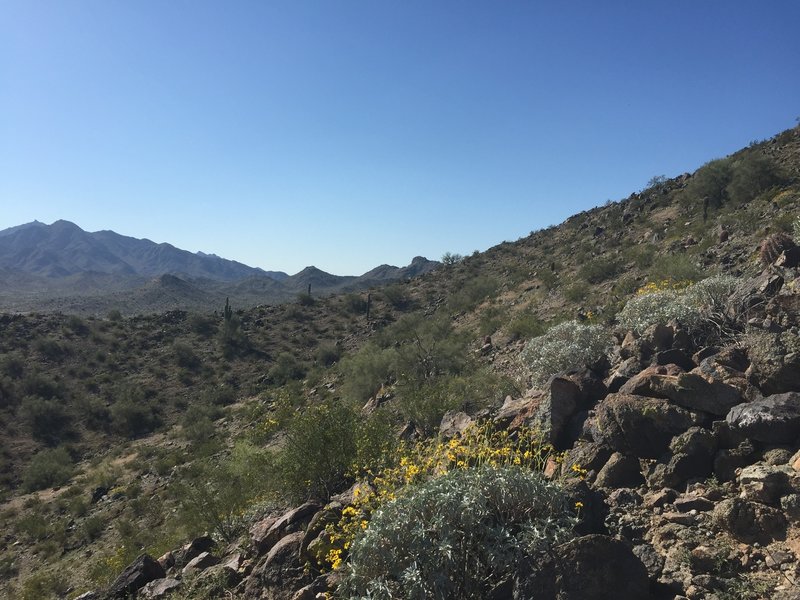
457	536
796	230
692	307
565	346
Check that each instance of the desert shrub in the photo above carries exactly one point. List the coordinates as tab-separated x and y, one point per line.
132	414
50	348
327	354
114	315
457	536
43	585
568	345
36	384
12	365
366	370
450	258
710	181
691	306
92	528
426	348
214	494
577	291
203	325
674	268
285	368
772	247
324	444
354	304
396	296
751	175
197	426
525	325
600	269
185	356
77	326
48	419
305	299
796	230
426	404
48	468
471	293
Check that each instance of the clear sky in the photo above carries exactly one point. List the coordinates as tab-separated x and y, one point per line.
346	133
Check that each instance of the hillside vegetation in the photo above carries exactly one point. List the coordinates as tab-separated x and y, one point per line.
600	363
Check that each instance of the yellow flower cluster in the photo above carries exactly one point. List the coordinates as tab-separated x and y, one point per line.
663	285
481	444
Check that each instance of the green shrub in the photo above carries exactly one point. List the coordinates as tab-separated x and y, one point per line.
132	414
354	304
710	181
396	296
471	293
286	368
366	370
214	494
185	356
42	586
600	269
48	468
751	175
525	325
457	536
566	346
426	404
47	419
324	445
674	268
692	306
327	354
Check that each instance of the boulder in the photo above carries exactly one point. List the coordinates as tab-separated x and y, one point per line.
189	551
201	562
592	565
637	425
773	420
160	588
548	411
749	521
454	423
765	483
620	471
642	384
266	534
691	455
280	574
136	575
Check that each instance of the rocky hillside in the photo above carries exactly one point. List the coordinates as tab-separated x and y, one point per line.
610	404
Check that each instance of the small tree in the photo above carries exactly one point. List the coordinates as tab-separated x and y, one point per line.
448	258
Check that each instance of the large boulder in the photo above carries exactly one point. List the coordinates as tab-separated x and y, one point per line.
637	425
772	420
749	521
689	390
691	456
265	534
592	567
280	574
136	575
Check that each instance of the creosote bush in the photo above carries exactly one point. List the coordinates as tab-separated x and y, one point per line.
458	535
568	345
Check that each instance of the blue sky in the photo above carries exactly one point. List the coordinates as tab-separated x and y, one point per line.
346	134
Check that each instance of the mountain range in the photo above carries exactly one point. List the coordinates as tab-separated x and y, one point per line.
61	267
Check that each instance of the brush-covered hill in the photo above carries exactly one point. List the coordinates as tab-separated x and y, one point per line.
633	354
62	268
